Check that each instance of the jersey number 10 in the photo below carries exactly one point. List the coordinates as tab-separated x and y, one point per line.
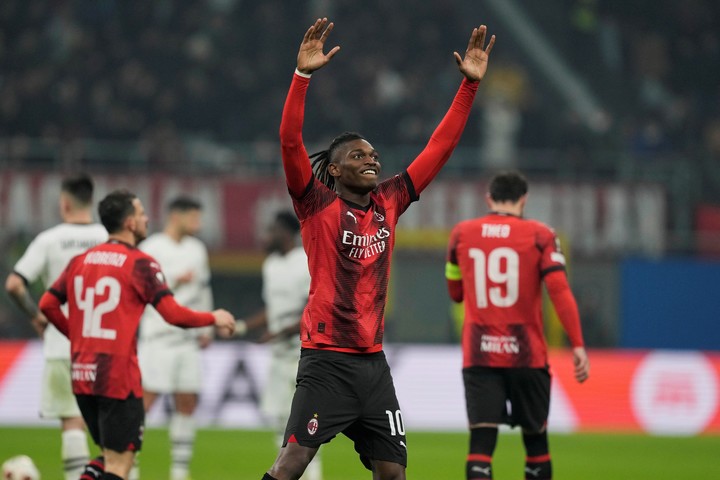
489	269
92	314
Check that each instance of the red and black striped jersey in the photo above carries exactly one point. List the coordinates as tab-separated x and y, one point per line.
349	249
349	246
501	261
106	290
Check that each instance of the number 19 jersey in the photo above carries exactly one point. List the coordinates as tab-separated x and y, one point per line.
106	289
501	260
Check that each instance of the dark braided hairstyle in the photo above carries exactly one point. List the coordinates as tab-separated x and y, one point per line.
322	159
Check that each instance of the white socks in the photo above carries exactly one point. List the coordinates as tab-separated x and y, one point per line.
182	439
75	453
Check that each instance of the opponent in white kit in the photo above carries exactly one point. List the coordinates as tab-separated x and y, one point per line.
169	356
286	286
45	259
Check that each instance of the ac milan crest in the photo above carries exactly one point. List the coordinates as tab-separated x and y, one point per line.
312	426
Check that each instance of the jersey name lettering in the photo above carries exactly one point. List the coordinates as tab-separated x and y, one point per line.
491	230
112	259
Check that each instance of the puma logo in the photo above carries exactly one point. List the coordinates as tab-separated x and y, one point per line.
535	472
351	215
483	470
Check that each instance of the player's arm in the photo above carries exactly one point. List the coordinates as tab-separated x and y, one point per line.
447	135
17	288
184	317
567	310
256	321
50	305
296	162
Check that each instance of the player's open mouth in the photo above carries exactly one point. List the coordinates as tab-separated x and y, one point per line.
369	171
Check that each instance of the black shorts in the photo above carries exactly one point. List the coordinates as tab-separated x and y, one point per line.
113	423
350	394
513	396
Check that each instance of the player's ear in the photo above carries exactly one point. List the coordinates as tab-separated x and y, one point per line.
333	169
488	201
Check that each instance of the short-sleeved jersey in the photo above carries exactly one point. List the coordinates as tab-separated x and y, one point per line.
285	290
501	260
349	249
176	259
106	289
46	257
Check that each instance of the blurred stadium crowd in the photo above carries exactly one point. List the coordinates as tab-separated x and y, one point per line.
165	71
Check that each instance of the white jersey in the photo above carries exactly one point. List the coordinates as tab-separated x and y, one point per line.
177	259
45	259
286	286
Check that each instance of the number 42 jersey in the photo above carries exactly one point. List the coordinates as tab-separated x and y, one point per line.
106	289
501	260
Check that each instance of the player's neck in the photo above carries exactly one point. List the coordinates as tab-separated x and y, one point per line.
80	217
507	208
125	236
359	198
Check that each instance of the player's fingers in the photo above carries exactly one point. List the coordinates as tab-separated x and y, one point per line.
480	38
458	58
332	52
473	36
320	27
327	31
490	45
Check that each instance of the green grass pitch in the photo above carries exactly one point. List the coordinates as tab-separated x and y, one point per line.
245	455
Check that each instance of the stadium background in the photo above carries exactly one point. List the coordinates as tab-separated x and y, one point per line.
611	108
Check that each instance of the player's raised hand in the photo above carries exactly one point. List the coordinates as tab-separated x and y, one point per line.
475	63
224	322
311	56
582	364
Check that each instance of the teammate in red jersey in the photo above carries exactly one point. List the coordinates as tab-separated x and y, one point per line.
106	289
496	264
348	223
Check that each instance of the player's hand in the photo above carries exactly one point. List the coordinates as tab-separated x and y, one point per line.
204	341
475	63
39	323
582	364
311	56
224	322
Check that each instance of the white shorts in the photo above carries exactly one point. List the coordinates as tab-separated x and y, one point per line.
170	368
57	399
279	390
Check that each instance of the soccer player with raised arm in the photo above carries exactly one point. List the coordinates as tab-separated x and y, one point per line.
496	264
348	220
169	356
106	290
45	258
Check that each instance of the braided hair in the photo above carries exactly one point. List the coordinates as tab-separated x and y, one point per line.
321	160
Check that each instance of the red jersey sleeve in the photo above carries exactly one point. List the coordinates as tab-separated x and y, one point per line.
298	171
444	139
176	314
149	281
53	299
552	258
565	306
50	307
